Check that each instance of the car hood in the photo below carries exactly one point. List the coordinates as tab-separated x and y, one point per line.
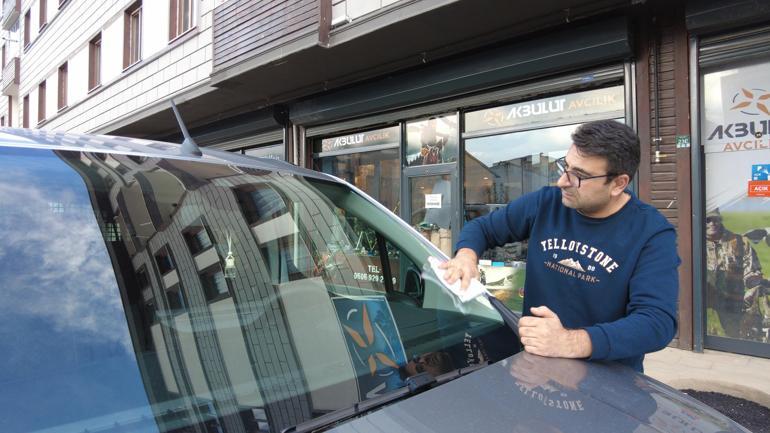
528	393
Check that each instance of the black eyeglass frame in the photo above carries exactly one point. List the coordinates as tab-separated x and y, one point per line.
561	165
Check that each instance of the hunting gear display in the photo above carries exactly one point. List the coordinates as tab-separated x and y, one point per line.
737	292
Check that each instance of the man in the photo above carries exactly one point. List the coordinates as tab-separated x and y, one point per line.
601	279
734	281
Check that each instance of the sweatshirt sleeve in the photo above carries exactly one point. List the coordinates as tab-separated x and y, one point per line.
501	226
650	321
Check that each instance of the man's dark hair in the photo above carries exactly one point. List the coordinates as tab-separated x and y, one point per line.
611	140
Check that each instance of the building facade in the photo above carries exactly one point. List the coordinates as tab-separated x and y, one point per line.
443	110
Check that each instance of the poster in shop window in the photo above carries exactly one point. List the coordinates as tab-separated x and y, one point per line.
373	343
736	138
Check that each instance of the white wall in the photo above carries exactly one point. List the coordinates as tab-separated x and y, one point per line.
155	23
165	69
77	80
33	107
52	95
112	50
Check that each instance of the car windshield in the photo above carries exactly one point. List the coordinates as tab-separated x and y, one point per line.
143	294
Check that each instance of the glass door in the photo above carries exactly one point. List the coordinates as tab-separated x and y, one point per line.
430	208
735	131
430	179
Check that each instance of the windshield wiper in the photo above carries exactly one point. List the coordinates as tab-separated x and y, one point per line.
414	385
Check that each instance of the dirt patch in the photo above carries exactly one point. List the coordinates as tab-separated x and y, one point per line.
753	416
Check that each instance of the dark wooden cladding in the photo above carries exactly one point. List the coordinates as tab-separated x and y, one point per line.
245	28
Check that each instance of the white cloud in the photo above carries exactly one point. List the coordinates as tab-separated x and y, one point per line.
54	265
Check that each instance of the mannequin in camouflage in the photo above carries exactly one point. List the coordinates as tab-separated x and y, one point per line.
734	277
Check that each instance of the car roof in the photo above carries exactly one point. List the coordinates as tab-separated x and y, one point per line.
81	142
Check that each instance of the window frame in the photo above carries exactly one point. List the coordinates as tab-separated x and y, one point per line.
164	251
210	293
25	111
27	25
62	75
41	95
189	233
43	18
132	37
95	62
176	30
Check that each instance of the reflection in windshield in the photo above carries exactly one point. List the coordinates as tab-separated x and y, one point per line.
60	309
175	296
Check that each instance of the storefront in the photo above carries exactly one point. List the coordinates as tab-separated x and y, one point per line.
440	165
259	134
731	106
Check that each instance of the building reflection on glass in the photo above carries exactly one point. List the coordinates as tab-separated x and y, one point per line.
244	351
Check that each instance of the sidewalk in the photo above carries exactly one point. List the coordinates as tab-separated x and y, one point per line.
737	375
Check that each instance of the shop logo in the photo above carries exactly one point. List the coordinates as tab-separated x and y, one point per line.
751	102
366	346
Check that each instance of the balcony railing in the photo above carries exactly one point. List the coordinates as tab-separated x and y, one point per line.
11	11
11	77
244	29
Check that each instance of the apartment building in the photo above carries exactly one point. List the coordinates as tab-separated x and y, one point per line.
442	110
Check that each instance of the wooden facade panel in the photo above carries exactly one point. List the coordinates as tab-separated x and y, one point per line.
257	43
244	29
251	34
670	214
262	18
665	177
663	195
275	39
665	186
245	11
284	24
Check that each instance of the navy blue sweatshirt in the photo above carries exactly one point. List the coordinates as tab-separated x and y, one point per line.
615	277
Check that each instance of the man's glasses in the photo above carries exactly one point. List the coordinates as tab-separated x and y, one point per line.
573	178
713	220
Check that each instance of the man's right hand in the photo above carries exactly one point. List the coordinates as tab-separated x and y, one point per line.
463	267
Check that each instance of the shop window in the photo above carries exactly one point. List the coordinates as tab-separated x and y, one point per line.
511	151
132	34
270	151
735	133
95	62
10	110
367	159
432	141
182	17
62	96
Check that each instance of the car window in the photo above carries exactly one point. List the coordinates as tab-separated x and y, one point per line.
143	294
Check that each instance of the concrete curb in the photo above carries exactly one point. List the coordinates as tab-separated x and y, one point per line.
740	376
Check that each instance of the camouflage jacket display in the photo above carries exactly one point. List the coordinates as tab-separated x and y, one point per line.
732	265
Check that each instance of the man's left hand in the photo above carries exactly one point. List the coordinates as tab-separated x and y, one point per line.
543	334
